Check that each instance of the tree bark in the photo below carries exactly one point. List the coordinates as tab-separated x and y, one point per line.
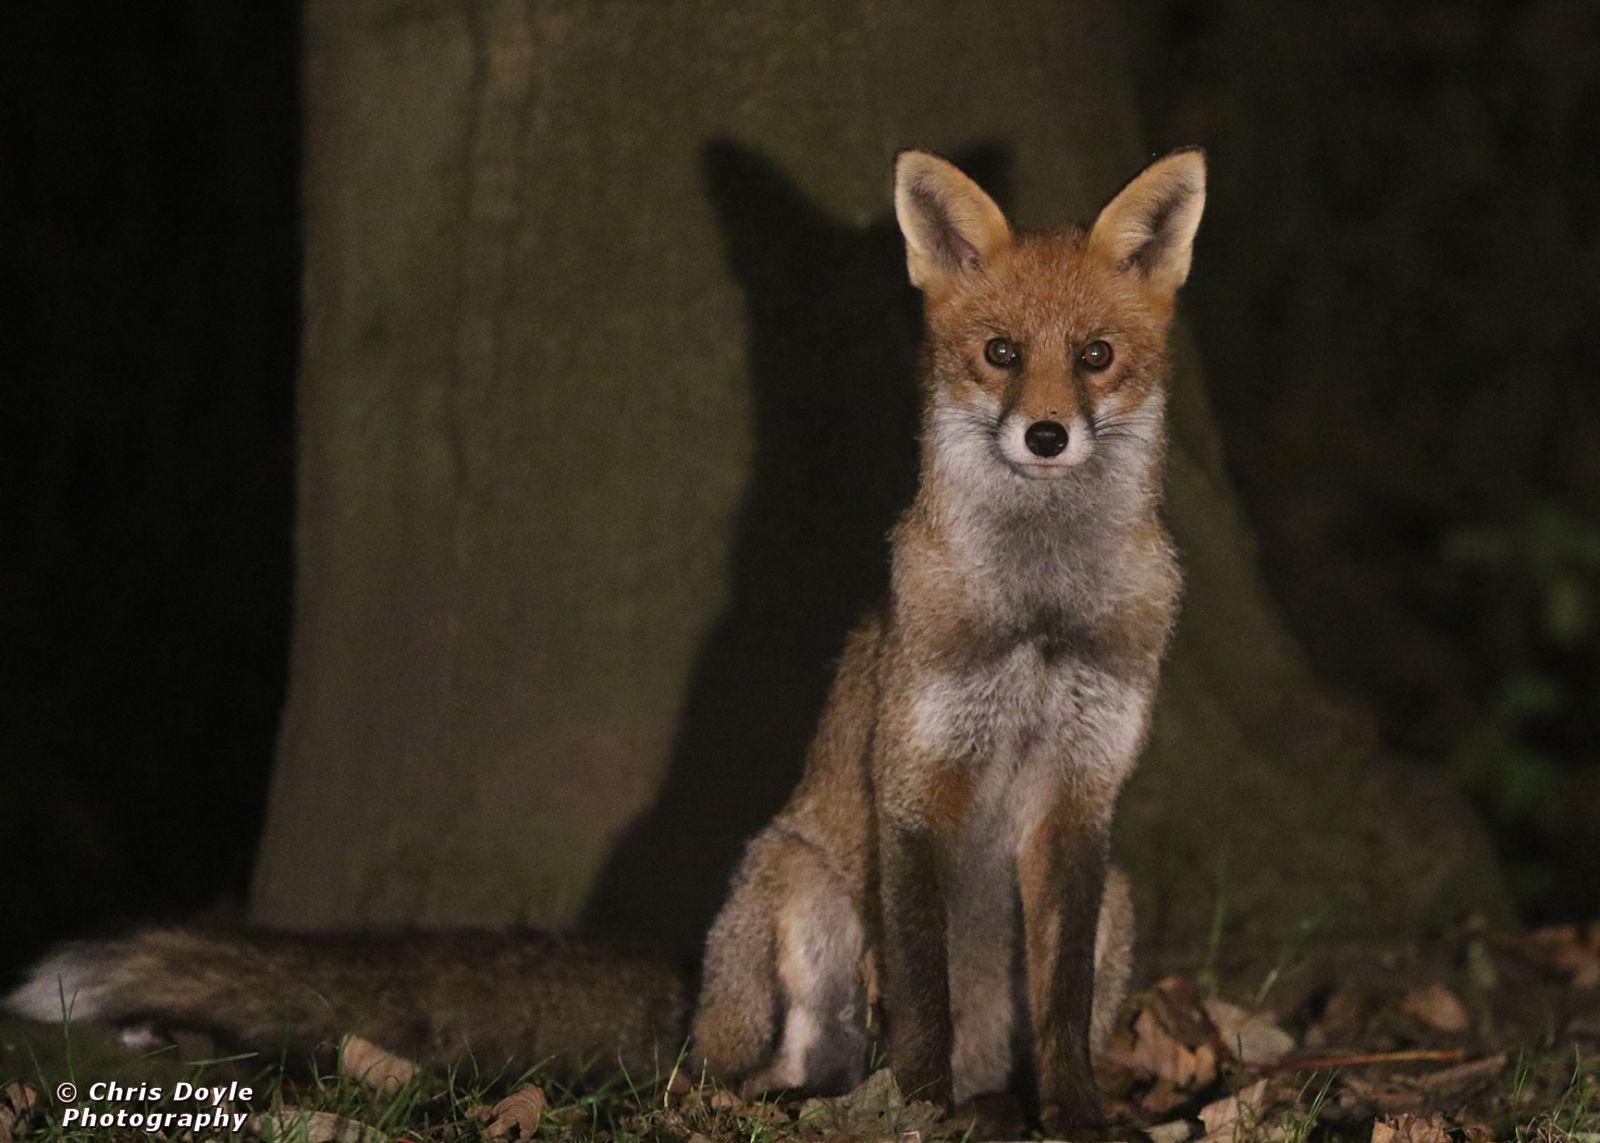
606	405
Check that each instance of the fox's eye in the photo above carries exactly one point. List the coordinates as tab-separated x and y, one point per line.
1002	351
1096	355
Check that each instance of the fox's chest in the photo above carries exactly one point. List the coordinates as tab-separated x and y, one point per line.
1035	708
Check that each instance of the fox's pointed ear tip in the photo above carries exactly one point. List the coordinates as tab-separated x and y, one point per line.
1193	158
908	159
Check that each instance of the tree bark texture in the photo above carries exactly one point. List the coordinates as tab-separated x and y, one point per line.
606	405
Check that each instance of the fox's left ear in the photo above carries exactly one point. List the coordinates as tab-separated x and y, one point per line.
1149	227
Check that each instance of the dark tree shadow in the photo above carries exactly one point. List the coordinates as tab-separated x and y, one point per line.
833	329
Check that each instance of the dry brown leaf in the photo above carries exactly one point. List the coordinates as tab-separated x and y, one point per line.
1252	1036
1341	1022
1570	949
1156	1052
365	1062
1411	1129
1176	1002
1177	1131
17	1104
1573	949
313	1126
1437	1007
680	1084
514	1117
1233	1116
875	1109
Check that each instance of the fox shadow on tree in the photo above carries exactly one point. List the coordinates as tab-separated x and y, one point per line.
833	328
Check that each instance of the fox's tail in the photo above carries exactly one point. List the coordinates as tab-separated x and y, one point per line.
514	999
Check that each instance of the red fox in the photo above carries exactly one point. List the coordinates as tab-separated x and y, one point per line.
944	860
948	841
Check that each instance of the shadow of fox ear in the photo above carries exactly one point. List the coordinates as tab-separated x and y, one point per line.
772	231
767	223
830	328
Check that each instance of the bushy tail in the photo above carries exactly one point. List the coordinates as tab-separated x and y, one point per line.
503	998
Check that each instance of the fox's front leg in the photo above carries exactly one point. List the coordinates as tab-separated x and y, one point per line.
1062	876
913	860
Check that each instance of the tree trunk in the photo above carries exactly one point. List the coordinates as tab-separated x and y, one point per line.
606	406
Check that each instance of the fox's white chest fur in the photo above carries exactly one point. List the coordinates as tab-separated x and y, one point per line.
1031	714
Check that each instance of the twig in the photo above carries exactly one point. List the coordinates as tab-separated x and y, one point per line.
1316	1063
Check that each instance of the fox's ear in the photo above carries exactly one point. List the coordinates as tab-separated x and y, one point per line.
1149	227
949	224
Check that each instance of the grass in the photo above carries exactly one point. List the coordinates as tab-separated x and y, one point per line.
1545	1096
450	1106
1576	1113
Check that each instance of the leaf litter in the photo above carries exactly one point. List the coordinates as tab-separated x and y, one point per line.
1476	1036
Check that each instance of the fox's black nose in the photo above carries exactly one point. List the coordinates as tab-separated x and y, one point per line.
1045	438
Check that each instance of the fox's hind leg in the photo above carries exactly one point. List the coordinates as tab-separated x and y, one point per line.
783	1003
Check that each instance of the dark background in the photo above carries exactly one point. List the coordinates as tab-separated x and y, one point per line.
1401	343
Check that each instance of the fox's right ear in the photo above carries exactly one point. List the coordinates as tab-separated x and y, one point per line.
950	225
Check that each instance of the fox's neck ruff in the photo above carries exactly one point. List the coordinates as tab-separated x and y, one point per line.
1064	543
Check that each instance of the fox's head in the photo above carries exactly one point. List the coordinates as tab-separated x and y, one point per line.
1046	354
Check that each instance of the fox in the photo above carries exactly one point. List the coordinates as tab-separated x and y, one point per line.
945	857
940	880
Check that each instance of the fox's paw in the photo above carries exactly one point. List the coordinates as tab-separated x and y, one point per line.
1080	1121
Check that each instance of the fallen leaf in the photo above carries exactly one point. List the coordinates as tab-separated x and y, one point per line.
876	1109
1234	1115
1437	1007
1177	1131
1176	1002
1411	1129
18	1102
313	1127
680	1084
1151	1049
1342	1019
516	1116
365	1062
1570	949
1251	1036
